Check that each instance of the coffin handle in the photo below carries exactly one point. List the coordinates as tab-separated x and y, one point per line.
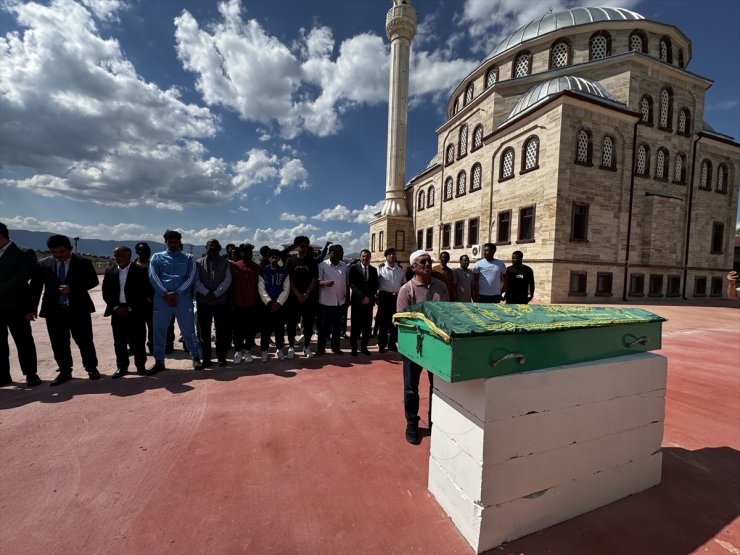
641	340
520	356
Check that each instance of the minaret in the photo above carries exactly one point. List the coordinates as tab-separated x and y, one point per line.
400	26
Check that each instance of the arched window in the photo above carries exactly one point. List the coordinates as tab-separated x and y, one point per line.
478	137
638	42
463	149
450	154
679	169
462	183
661	164
681	62
448	188
476	176
665	53
507	164
600	45
584	148
721	178
643	160
646	110
705	179
430	197
469	94
420	202
456	107
560	54
522	65
666	108
491	76
607	153
684	117
530	154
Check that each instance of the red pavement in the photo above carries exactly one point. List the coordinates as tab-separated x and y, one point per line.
309	456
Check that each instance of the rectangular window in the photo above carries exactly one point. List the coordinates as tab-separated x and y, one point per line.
372	243
604	284
430	239
526	225
700	287
381	246
673	286
420	239
459	231
637	285
446	230
578	283
473	225
400	241
655	285
718	237
579	222
503	236
716	287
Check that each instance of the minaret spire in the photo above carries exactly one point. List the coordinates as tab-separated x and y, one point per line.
400	26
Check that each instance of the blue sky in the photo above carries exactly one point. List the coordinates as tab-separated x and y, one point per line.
251	120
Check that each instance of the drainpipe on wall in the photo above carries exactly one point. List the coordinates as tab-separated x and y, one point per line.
688	219
629	213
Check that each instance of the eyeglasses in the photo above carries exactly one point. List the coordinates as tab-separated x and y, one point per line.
425	262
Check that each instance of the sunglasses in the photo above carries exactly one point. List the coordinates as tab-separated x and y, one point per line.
425	262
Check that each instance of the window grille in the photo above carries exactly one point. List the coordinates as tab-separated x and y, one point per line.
598	47
560	55
645	110
507	164
530	153
582	147
660	165
461	184
478	137
430	197
463	140
521	65
705	178
469	93
450	154
678	169
607	153
641	160
682	122
420	203
476	179
448	188
636	43
664	107
491	76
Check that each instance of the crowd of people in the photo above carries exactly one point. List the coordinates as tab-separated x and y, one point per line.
233	298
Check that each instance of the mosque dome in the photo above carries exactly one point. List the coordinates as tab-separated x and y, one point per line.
561	20
541	92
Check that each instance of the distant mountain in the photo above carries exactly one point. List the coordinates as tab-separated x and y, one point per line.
37	240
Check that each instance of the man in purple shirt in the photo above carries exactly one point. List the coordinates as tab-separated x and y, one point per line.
422	287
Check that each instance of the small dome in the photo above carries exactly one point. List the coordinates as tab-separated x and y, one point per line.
543	91
560	20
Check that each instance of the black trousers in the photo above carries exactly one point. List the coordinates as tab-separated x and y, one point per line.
273	322
306	313
218	316
362	324
14	320
387	332
411	375
63	323
330	323
128	331
245	323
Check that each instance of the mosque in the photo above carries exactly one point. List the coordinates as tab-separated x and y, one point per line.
581	142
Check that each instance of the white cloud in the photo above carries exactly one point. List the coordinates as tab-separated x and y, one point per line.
275	237
339	212
122	231
350	241
105	10
260	166
367	213
287	217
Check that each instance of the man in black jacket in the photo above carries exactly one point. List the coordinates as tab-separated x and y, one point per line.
65	280
363	278
212	282
127	295
16	268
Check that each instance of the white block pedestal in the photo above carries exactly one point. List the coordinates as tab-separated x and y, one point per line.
514	454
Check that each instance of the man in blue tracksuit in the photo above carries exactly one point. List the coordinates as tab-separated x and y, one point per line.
172	274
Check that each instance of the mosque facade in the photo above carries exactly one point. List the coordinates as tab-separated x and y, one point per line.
581	142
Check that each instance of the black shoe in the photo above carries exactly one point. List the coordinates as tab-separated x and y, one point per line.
61	378
32	380
119	373
381	350
412	434
93	374
141	371
198	365
337	351
364	351
169	349
158	367
206	364
319	353
6	380
354	352
392	348
222	363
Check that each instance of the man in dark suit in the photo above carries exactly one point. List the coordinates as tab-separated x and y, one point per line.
363	278
65	280
127	294
16	268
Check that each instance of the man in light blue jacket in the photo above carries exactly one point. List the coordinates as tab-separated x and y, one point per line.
172	275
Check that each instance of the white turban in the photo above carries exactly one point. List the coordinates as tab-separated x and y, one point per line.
417	254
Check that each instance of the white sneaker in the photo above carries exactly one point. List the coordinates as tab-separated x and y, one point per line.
291	352
238	357
263	356
247	357
307	352
280	354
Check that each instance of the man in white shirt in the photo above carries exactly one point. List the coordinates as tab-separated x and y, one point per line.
489	277
390	279
333	286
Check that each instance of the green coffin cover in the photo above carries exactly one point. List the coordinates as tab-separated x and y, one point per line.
463	341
